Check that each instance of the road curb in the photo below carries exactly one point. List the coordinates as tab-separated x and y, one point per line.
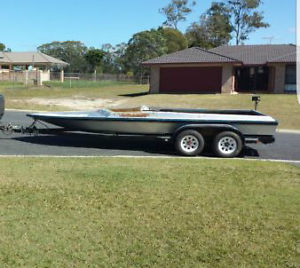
294	131
152	157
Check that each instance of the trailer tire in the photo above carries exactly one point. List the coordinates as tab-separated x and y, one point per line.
189	143
227	144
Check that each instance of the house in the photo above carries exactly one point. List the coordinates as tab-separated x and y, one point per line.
225	69
25	66
9	60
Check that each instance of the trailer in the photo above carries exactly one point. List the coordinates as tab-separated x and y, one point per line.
190	130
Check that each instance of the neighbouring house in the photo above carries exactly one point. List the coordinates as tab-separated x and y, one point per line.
225	69
28	66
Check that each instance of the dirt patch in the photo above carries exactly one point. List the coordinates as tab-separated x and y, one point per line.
76	103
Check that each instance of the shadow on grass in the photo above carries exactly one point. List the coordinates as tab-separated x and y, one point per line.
132	95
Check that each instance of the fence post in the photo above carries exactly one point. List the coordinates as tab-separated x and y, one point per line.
48	75
26	77
39	78
95	75
62	76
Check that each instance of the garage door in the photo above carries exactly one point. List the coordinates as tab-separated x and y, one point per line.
191	80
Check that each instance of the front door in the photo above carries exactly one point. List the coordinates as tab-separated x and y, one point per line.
252	79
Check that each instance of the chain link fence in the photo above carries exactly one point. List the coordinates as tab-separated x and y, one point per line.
55	76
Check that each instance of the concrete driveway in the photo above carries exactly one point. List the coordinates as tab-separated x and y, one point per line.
286	147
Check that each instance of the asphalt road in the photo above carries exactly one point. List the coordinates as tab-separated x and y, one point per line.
286	147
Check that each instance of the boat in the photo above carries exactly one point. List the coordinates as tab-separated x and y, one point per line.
191	130
158	121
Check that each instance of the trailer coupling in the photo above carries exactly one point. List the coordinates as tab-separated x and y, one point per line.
9	129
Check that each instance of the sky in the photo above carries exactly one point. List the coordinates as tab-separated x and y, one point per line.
27	24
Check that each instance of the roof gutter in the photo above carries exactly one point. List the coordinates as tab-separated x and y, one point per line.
188	63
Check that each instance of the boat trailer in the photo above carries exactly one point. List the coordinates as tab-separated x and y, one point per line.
33	130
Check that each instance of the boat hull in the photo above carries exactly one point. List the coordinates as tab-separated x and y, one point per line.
143	126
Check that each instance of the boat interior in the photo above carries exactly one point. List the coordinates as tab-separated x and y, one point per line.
144	111
130	112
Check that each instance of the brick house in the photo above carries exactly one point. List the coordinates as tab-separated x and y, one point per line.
225	69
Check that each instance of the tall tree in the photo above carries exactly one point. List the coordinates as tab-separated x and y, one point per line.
218	21
176	11
175	39
245	18
114	58
213	28
144	46
119	59
94	57
72	52
107	61
197	34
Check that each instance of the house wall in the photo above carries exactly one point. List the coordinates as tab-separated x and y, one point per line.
154	79
271	82
45	75
279	78
227	79
26	77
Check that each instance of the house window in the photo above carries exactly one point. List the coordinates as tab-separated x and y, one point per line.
290	78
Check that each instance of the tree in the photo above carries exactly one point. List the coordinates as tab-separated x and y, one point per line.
72	52
213	28
114	58
175	40
176	11
144	46
197	34
245	18
119	57
94	57
2	47
218	22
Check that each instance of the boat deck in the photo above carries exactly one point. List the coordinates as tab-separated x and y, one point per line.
161	114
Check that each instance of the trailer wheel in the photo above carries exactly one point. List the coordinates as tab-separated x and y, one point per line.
189	143
227	144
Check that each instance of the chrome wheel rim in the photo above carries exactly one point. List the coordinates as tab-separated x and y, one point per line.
227	145
189	144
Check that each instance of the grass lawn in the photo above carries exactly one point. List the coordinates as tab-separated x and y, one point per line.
284	108
116	212
91	89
